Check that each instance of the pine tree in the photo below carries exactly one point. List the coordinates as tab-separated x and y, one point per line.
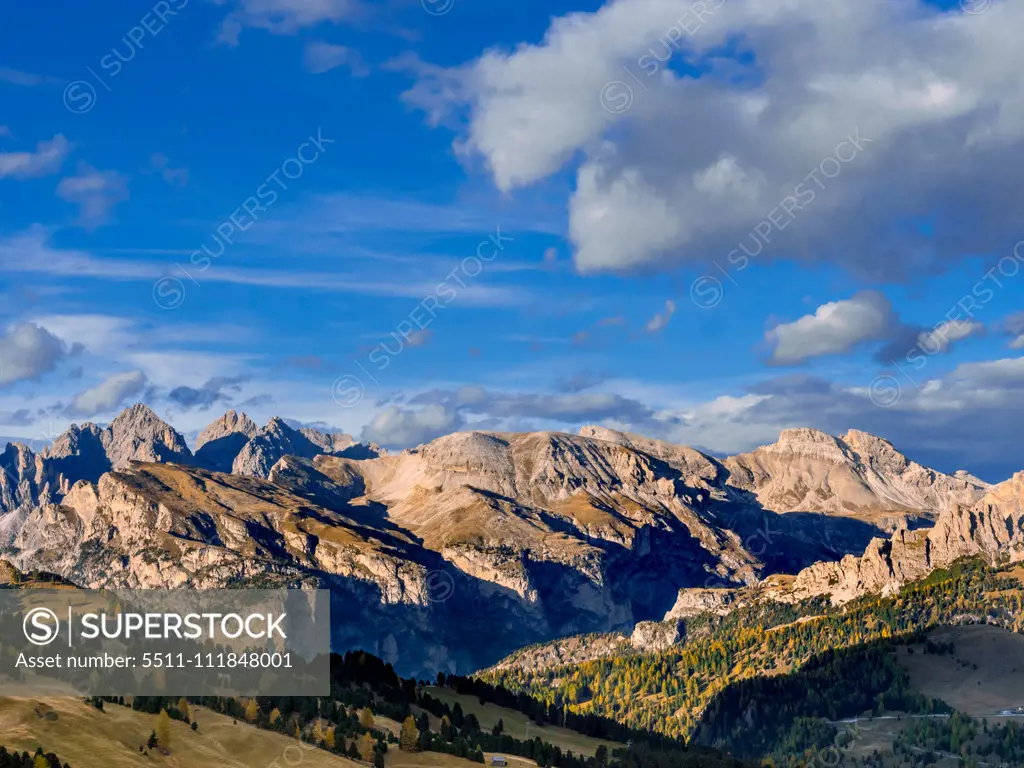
184	709
365	745
408	741
163	730
252	711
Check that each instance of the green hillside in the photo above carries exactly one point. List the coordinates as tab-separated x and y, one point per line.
675	692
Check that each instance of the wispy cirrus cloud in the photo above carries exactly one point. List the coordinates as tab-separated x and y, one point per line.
32	252
661	319
284	17
96	193
47	158
26	79
322	57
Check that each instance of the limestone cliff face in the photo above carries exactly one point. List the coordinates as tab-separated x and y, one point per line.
992	527
155	525
654	636
858	473
596	533
693	602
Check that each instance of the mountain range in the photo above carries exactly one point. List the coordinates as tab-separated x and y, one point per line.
453	554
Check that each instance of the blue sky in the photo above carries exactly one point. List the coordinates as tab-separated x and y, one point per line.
518	216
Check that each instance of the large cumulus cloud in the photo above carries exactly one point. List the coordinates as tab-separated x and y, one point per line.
682	168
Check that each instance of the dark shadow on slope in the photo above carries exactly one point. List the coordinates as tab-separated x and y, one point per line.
218	455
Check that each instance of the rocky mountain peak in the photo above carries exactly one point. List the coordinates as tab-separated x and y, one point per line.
865	441
219	444
875	450
804	441
278	425
139	413
811	471
86	452
138	434
277	439
230	423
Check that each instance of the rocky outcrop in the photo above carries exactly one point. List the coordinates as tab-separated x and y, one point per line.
566	651
693	602
992	528
654	636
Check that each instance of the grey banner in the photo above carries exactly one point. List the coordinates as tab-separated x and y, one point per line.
222	642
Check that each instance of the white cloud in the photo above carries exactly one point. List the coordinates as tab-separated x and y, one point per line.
31	252
394	426
941	338
48	158
661	319
96	193
420	338
177	368
976	378
27	79
285	17
28	351
1013	326
322	57
834	328
173	176
107	396
98	334
694	164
